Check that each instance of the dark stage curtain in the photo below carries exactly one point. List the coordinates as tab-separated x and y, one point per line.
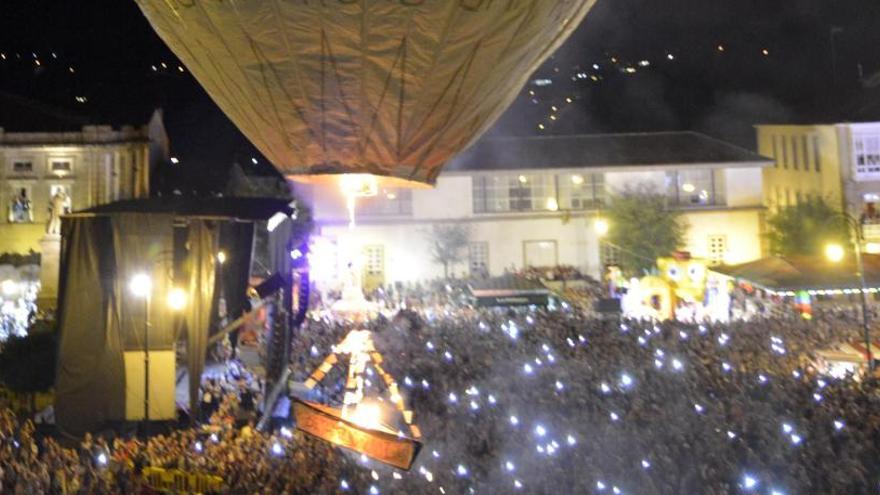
202	242
144	243
237	241
90	382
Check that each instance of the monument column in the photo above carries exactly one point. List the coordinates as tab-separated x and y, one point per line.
50	260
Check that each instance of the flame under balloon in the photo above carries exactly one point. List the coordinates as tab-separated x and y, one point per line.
362	427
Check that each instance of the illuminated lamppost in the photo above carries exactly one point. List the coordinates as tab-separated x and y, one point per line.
9	287
600	226
141	286
835	253
176	299
221	260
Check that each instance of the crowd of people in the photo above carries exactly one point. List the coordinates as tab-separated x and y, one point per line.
236	381
248	461
532	400
558	400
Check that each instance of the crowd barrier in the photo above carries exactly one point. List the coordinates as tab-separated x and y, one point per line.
182	482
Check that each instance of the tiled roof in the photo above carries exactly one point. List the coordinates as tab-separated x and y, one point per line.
603	150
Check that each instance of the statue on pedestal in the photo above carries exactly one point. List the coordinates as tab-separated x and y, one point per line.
353	304
351	286
59	205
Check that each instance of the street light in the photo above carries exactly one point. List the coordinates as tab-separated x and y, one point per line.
9	287
600	226
176	299
141	286
835	252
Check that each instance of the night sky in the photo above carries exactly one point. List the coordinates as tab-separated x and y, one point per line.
662	65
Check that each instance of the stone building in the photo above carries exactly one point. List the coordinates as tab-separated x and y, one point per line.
44	151
838	163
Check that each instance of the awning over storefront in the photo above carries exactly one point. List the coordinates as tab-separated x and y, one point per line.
509	290
786	275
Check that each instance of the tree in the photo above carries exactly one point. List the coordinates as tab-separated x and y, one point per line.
27	364
643	228
448	243
806	228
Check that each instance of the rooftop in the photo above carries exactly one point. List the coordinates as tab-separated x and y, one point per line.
810	273
248	209
657	149
21	114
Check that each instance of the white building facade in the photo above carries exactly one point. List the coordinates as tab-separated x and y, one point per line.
532	202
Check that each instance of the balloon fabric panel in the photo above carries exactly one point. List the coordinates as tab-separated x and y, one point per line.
388	87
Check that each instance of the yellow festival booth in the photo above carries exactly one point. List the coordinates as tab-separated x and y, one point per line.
681	282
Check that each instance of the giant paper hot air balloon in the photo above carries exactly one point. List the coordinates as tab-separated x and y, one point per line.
392	88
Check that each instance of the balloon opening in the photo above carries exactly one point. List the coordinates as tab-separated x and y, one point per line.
354	186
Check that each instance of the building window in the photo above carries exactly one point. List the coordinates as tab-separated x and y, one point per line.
539	254
776	151
374	262
22	167
795	152
866	150
388	202
695	187
717	248
478	259
805	153
504	193
478	194
609	254
581	191
784	152
817	157
61	167
374	266
20	206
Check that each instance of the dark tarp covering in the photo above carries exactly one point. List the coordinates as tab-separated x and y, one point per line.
237	237
144	243
174	241
202	244
100	256
243	209
90	385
